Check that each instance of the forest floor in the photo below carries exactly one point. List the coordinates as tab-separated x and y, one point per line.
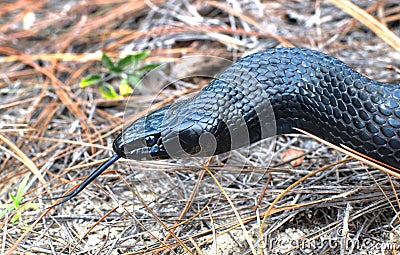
56	132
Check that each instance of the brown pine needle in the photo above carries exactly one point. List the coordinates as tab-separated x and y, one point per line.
360	157
245	233
283	193
24	159
365	18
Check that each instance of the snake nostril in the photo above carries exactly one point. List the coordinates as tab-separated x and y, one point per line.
151	140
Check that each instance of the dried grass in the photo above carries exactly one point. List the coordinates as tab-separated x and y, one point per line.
60	132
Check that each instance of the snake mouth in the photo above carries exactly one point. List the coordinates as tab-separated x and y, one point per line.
142	139
141	148
156	147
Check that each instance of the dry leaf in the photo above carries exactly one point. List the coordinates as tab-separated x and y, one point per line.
292	153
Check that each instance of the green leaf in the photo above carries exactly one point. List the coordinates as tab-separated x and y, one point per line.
107	91
126	61
124	88
87	81
16	216
132	59
34	206
107	62
134	80
15	202
148	67
136	58
116	69
21	188
7	208
141	55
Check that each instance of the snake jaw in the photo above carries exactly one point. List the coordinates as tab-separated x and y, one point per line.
156	147
172	133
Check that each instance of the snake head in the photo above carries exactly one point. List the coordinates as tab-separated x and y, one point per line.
174	131
142	140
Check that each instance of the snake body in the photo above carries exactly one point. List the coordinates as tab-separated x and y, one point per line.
267	93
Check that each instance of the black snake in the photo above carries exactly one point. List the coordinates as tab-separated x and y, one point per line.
269	93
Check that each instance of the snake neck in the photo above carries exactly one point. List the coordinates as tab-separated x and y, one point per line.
318	93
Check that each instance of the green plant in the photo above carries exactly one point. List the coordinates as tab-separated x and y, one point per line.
16	203
127	71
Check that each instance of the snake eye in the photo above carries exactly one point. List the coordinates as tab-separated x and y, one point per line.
151	140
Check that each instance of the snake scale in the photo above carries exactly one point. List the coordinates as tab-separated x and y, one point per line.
264	94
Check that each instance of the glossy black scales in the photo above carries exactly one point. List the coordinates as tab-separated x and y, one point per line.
269	93
306	89
321	94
